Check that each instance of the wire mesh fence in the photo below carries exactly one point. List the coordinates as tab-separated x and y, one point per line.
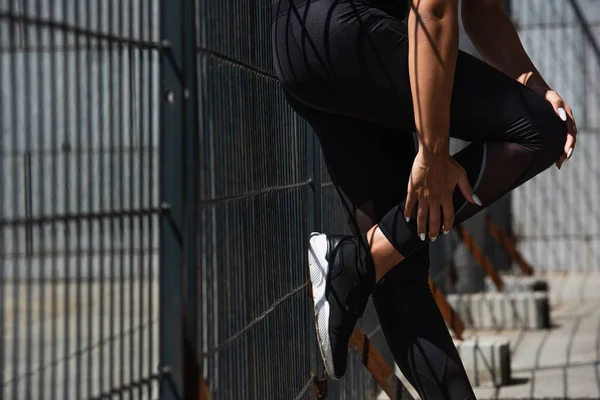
81	206
81	200
263	190
78	230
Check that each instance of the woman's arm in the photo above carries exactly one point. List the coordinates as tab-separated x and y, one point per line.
496	39
433	48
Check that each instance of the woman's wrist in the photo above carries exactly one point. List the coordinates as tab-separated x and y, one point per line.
534	81
431	149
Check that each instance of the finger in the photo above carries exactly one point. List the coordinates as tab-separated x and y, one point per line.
560	161
569	111
411	199
558	104
448	213
466	189
572	130
434	221
422	219
560	111
569	145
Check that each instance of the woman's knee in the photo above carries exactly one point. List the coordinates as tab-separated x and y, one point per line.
553	136
546	137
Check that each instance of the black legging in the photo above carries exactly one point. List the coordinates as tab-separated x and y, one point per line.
344	67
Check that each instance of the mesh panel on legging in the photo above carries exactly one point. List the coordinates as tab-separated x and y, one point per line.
493	168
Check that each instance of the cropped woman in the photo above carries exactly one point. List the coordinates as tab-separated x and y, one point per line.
365	80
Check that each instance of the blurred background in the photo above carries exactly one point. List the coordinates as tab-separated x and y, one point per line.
157	192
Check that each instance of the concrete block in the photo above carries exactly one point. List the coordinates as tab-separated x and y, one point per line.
527	310
517	283
486	360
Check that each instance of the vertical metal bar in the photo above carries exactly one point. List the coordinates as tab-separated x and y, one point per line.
5	252
121	178
27	76
111	201
78	150
67	152
28	255
104	140
54	155
151	188
27	189
171	198
144	132
41	185
132	130
93	118
15	167
192	371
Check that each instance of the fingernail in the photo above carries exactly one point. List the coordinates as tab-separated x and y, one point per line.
562	114
407	219
433	239
476	200
422	236
570	153
446	232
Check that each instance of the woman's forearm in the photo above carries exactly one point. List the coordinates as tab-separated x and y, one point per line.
433	48
496	39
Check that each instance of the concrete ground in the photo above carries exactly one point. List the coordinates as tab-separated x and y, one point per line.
108	324
562	362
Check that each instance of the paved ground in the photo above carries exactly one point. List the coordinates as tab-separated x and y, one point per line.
117	327
562	362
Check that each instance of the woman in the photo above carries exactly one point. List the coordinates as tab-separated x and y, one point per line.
365	80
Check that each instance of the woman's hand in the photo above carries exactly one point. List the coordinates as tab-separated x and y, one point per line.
433	179
566	114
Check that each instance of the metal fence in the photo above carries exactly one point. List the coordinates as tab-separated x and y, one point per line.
263	189
78	199
155	204
157	193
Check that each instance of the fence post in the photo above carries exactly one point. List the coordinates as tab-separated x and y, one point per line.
171	145
194	383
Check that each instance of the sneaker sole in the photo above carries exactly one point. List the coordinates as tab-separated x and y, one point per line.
319	268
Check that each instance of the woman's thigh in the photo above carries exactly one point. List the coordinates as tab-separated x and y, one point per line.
347	58
370	164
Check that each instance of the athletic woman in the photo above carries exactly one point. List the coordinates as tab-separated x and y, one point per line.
365	80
